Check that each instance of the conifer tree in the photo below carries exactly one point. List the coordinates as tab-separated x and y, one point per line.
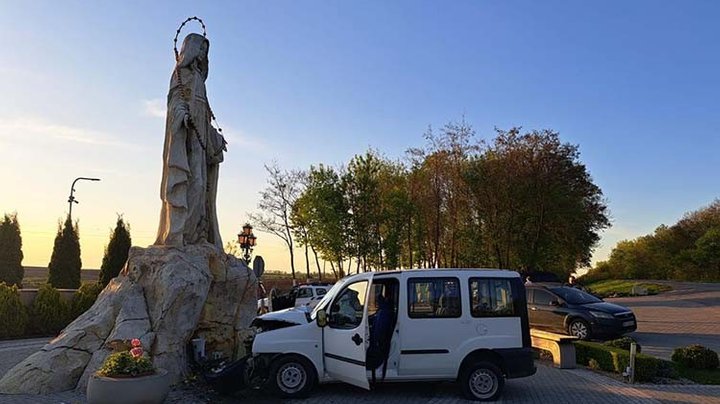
11	255
65	263
116	252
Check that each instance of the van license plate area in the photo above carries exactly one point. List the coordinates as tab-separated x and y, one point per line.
628	323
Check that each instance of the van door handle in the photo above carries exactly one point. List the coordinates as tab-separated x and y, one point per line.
357	339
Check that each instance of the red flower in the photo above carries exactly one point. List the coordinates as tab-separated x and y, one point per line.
136	343
136	352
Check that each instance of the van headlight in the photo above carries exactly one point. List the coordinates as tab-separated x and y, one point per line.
600	314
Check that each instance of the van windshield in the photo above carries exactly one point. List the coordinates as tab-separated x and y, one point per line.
328	296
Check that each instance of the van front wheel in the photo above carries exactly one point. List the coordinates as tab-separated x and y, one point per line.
292	376
482	381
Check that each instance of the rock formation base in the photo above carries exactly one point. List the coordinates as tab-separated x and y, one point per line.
165	297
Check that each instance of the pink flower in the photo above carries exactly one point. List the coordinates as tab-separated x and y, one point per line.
136	352
136	343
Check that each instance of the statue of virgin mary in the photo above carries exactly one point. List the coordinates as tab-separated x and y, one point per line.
192	153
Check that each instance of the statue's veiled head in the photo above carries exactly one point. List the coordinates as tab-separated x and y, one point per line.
194	49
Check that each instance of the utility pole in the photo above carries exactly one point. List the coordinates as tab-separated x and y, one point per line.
72	199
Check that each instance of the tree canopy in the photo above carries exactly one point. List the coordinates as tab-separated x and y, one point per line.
116	252
524	201
11	255
275	206
65	263
687	250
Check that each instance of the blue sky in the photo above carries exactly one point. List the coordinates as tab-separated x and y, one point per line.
635	84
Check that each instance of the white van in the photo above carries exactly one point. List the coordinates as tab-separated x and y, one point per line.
465	325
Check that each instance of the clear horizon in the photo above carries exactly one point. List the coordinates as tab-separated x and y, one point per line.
634	85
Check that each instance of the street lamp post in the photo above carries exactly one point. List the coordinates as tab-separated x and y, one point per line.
72	199
247	240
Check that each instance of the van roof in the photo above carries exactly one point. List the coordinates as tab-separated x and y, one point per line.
485	271
448	271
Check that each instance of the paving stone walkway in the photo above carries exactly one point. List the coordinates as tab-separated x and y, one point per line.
549	385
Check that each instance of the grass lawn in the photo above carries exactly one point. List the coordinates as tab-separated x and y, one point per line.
609	288
704	376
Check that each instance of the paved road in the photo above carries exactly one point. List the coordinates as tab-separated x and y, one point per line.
689	314
12	352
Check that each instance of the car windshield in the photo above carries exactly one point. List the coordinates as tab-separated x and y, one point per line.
575	296
329	295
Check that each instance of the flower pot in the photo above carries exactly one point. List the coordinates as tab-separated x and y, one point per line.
150	389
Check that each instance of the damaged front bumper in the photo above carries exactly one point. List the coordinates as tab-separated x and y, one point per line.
229	377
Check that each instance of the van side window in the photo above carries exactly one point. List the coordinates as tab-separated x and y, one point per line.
320	291
491	297
346	310
434	298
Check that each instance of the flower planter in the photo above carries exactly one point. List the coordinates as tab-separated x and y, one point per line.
150	389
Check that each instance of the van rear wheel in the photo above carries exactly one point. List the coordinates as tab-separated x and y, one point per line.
292	376
482	381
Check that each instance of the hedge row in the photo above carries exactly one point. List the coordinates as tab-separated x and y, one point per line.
616	360
47	315
623	343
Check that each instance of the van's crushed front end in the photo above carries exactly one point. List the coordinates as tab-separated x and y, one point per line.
289	331
251	370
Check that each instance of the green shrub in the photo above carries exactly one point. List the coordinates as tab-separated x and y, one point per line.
696	357
13	317
623	343
48	313
616	360
84	298
646	367
585	351
122	364
668	369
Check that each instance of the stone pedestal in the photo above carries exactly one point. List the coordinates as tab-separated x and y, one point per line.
165	297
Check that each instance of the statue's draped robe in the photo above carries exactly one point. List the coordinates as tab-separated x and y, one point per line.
190	171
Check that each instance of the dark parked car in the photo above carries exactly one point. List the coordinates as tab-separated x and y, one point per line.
569	310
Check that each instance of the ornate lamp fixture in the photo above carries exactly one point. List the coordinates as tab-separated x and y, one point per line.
247	241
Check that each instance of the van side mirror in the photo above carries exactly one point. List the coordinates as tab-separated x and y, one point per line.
321	318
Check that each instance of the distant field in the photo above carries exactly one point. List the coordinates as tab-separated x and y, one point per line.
37	276
283	281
